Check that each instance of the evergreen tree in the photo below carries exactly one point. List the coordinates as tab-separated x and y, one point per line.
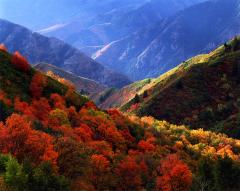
145	94
136	99
235	44
226	174
206	175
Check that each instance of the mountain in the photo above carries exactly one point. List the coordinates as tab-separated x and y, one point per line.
91	34
83	85
201	92
54	139
157	48
40	14
37	48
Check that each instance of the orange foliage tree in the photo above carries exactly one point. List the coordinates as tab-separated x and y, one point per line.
18	138
100	176
20	62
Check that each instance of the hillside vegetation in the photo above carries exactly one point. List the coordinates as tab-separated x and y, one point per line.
83	85
201	92
53	139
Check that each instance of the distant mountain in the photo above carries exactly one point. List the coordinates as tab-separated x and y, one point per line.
83	85
38	14
202	92
38	48
160	47
94	32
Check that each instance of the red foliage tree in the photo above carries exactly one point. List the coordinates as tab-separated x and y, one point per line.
20	62
3	48
114	112
84	133
129	173
58	101
40	109
22	107
38	82
110	133
90	105
40	148
146	146
127	136
175	175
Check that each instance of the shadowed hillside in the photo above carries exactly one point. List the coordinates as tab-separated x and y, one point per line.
201	92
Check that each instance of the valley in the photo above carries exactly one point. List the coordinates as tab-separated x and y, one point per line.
120	95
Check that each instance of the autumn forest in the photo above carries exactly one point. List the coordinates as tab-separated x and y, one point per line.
52	138
120	95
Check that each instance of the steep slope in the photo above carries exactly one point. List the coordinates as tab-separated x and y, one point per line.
16	83
201	92
54	139
38	48
160	47
151	12
83	85
115	98
112	25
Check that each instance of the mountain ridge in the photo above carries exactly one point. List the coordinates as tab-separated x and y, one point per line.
111	26
56	52
160	47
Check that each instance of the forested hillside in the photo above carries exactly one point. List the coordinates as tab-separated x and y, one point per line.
53	139
201	92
